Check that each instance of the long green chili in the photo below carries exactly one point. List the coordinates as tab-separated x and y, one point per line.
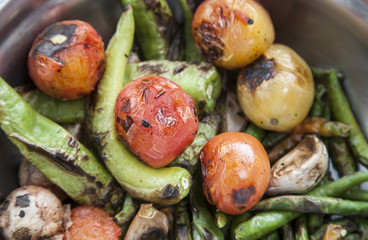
162	186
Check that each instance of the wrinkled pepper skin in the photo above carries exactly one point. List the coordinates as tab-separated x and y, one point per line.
201	80
162	186
57	154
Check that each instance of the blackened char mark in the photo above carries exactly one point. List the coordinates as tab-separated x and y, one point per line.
262	69
60	157
241	196
153	233
211	45
169	192
21	233
126	106
152	69
22	201
127	123
47	47
179	69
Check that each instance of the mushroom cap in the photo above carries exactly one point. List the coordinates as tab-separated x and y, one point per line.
31	212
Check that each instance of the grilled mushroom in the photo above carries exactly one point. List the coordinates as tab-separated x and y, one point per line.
32	212
301	169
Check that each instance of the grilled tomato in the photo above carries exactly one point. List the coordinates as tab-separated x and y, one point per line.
235	171
67	59
156	119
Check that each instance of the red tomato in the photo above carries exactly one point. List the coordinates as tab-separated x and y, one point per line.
156	118
67	59
235	171
92	223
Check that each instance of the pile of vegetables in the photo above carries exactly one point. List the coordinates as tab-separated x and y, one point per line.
155	155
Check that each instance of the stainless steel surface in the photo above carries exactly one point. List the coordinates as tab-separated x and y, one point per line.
330	33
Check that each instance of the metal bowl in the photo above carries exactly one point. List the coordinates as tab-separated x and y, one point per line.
326	33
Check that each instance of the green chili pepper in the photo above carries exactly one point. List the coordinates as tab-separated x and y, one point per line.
202	80
158	35
362	224
343	113
57	154
221	219
339	152
287	232
273	138
202	221
182	227
275	235
311	204
255	131
315	221
318	104
191	52
207	129
301	225
161	186
126	214
356	194
61	111
266	222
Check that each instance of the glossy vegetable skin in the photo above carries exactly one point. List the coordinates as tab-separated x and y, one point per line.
200	79
162	186
57	154
156	118
67	59
232	33
235	171
277	90
92	223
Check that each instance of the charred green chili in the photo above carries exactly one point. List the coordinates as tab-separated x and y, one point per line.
161	186
157	33
57	154
182	227
57	110
207	129
265	222
311	204
191	52
204	226
127	213
318	103
340	154
201	80
287	232
301	228
342	112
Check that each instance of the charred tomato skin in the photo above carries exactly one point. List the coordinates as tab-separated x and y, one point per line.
156	119
232	33
235	171
91	223
67	59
